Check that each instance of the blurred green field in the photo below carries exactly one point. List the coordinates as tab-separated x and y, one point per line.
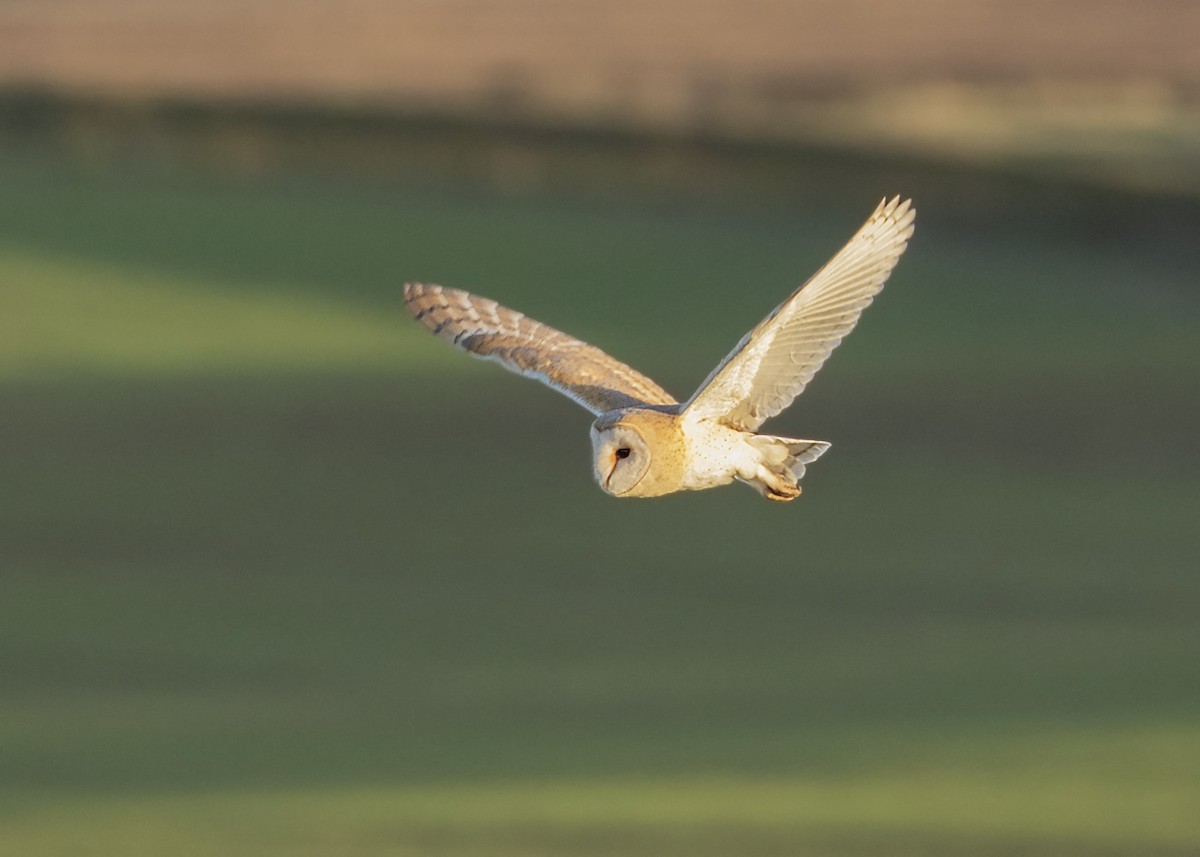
284	575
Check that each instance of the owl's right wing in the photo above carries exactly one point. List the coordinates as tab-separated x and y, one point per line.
488	330
774	362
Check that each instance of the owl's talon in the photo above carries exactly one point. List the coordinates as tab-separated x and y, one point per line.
783	493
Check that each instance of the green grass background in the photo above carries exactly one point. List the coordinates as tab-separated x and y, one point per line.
281	574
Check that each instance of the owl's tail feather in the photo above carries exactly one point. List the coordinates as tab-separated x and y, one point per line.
782	464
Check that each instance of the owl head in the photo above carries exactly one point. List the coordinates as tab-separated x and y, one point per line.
637	453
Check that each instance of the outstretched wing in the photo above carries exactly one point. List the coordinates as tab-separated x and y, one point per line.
774	362
484	328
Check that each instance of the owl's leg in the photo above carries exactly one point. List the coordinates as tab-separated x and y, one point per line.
779	464
773	486
779	486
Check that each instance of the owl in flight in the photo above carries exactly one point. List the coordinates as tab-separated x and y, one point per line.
645	443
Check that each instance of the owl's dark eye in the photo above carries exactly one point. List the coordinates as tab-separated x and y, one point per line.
623	452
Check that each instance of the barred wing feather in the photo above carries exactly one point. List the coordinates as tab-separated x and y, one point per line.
490	331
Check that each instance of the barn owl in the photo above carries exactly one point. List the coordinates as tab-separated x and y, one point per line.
645	443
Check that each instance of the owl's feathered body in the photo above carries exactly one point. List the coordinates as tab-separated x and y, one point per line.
645	442
691	455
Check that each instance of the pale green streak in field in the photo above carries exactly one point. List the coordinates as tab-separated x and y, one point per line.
72	316
1013	788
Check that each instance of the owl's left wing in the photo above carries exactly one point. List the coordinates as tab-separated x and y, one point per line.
775	361
484	328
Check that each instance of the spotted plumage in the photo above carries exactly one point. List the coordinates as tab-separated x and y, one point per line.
645	442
